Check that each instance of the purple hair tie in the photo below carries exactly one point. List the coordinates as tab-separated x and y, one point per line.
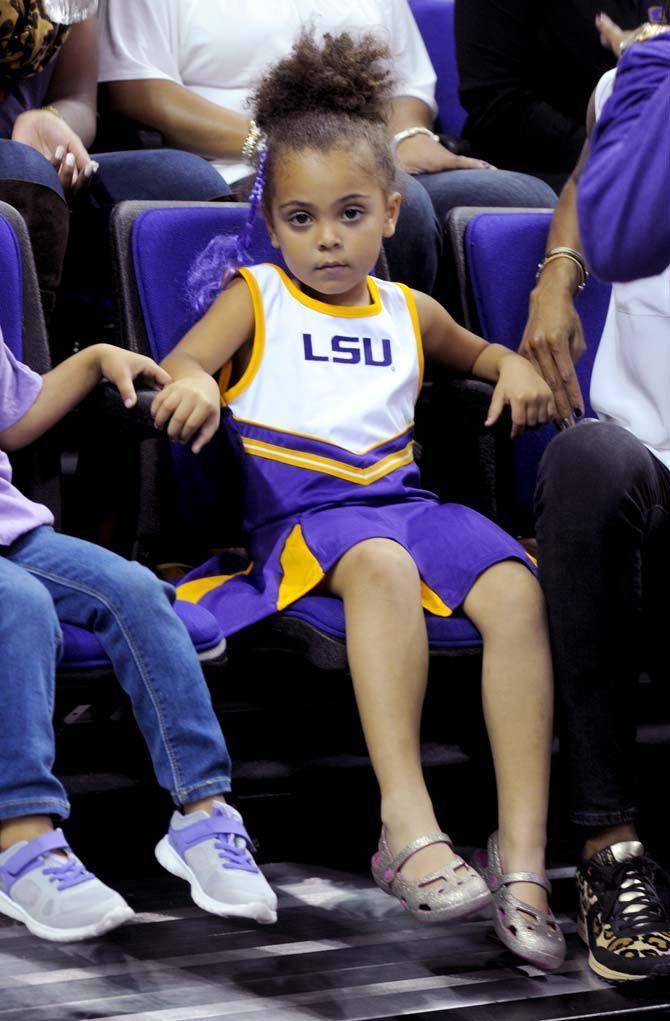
216	266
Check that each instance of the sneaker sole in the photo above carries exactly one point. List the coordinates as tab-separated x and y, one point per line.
118	916
170	860
600	969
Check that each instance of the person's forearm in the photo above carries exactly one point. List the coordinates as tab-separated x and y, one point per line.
623	194
409	112
80	116
561	277
181	365
186	120
63	388
488	363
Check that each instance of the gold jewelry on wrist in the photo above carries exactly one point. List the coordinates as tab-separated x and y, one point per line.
647	31
54	110
254	143
418	129
563	252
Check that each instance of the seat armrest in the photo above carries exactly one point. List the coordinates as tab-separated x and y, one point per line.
105	408
465	461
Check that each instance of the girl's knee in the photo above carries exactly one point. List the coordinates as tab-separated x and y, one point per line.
508	592
383	562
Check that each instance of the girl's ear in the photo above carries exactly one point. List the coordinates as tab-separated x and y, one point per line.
393	203
274	240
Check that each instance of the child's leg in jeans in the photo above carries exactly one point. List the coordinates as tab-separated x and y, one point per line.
507	605
387	648
29	639
130	611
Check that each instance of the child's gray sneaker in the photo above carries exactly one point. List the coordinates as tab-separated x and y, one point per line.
54	896
213	854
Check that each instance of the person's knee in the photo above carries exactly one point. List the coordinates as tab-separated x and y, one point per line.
507	595
19	162
27	607
127	586
159	174
382	563
597	462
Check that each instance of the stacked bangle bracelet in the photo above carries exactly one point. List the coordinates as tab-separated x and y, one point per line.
253	143
563	252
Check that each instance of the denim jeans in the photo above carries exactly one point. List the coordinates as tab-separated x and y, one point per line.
603	529
415	251
30	184
46	578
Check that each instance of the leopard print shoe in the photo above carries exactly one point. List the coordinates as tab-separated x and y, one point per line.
623	918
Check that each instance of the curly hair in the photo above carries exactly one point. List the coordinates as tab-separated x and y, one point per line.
324	96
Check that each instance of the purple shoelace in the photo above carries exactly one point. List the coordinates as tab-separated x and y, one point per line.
70	873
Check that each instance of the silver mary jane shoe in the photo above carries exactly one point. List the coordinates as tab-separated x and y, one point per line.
460	890
532	934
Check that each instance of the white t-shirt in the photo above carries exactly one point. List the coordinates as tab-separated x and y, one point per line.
219	49
631	375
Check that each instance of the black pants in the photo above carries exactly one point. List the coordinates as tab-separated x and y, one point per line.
603	503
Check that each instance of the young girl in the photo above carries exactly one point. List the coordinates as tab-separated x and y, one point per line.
46	578
320	371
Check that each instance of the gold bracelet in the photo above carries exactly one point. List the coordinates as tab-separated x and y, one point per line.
565	253
649	30
54	110
254	143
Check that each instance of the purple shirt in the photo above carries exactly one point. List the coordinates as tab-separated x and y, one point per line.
19	388
27	94
624	193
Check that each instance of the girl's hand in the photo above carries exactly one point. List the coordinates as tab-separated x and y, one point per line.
192	406
529	397
54	138
121	367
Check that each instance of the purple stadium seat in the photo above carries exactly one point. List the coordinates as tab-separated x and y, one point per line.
164	243
11	292
435	19
23	330
82	650
502	251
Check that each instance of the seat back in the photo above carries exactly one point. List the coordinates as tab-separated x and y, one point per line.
435	19
154	247
37	468
497	253
21	317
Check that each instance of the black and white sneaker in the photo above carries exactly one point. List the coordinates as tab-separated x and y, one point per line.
623	915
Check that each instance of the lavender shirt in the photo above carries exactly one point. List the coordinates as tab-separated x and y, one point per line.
19	388
624	192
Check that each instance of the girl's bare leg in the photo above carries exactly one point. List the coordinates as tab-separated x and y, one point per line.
507	605
387	648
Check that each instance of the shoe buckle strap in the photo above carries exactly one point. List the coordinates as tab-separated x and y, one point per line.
214	826
27	859
417	845
524	877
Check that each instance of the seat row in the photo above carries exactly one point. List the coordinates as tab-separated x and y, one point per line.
175	501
